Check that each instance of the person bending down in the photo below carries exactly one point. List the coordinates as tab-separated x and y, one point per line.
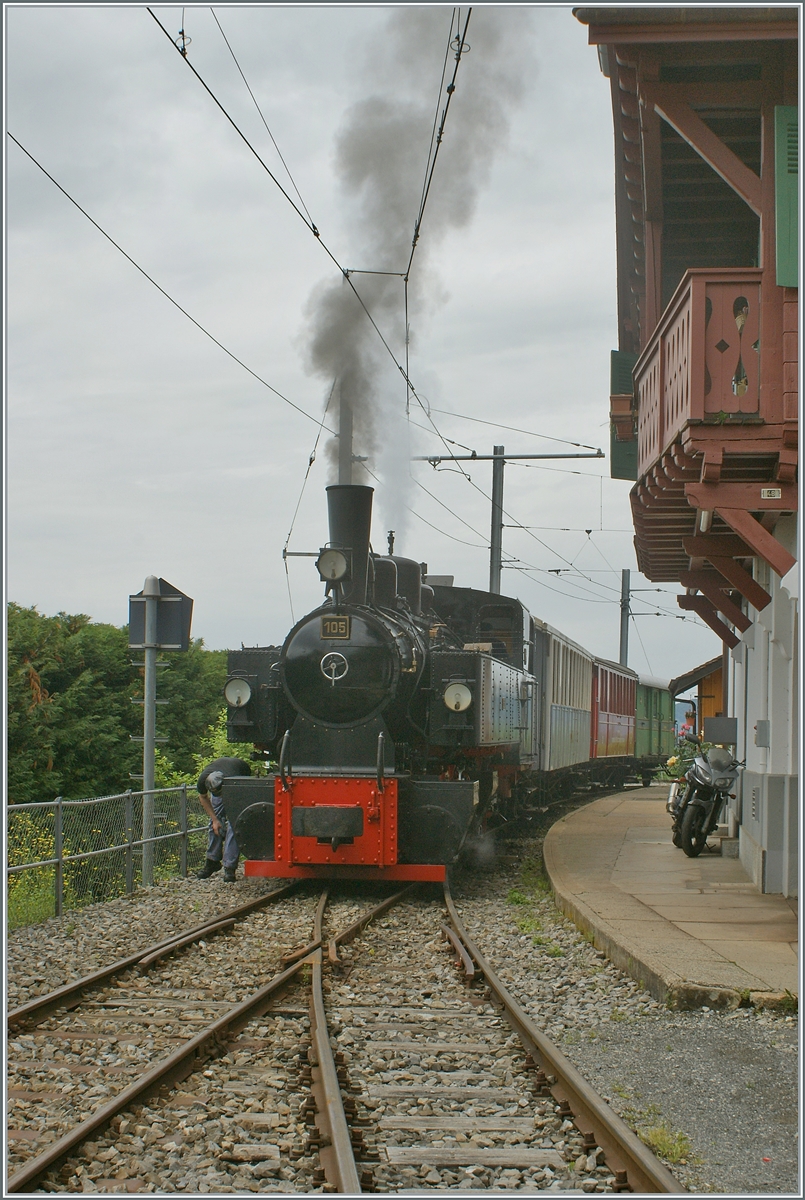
219	847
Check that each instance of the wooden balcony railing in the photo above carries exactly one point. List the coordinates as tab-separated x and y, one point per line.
702	363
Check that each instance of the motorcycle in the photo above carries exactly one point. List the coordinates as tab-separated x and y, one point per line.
697	808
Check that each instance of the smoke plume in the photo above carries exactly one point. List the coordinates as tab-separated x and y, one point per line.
381	156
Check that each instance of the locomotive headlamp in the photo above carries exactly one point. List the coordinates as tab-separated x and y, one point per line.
237	692
332	565
457	697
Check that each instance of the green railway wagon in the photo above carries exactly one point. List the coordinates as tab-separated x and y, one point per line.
655	728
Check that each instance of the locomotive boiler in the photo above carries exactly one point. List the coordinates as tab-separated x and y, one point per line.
385	722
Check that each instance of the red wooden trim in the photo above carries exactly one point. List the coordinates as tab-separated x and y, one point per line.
667	102
763	544
728	31
403	871
742	495
704	545
703	608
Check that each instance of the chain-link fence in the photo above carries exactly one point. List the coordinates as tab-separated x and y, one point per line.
63	854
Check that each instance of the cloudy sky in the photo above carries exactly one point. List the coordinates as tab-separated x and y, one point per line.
136	445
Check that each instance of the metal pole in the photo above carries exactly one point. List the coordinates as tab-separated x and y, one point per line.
496	540
344	440
151	594
623	658
183	823
58	846
129	839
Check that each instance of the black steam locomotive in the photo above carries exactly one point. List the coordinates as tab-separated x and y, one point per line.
394	711
403	708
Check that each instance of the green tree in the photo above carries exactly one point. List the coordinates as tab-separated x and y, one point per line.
70	714
192	683
69	711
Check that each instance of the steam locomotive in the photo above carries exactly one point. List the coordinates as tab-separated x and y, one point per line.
403	709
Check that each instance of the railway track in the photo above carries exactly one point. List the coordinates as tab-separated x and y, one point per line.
439	1079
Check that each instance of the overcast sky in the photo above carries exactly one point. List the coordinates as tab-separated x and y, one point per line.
137	446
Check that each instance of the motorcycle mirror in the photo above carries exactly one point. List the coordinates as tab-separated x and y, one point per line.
691	737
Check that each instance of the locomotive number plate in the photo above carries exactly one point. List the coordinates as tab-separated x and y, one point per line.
336	627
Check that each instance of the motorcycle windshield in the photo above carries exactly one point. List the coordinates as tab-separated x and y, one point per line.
719	760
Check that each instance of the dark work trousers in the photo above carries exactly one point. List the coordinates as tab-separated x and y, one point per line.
218	842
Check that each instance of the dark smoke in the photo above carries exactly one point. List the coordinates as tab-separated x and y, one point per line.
380	158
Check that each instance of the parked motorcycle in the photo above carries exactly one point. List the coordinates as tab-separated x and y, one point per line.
696	807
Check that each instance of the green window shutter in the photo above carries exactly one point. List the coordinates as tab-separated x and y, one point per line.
622	457
786	179
621	366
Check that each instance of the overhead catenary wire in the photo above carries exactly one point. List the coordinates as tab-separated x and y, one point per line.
643	648
445	412
411	390
461	48
262	118
310	462
166	294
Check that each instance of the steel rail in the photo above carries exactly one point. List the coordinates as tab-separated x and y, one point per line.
352	931
185	1059
168	1070
70	994
631	1162
335	1143
464	958
335	1139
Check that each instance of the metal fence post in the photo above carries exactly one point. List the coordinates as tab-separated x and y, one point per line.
129	839
58	852
183	821
151	594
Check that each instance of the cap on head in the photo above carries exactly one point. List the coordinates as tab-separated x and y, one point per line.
214	781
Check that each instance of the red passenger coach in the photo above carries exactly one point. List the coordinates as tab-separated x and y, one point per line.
612	732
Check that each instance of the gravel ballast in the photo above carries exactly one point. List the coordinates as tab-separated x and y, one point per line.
720	1088
726	1081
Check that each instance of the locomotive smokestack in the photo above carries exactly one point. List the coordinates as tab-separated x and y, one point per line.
350	511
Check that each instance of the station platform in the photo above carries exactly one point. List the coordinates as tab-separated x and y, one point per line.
693	931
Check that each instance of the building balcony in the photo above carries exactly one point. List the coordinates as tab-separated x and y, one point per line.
703	364
716	425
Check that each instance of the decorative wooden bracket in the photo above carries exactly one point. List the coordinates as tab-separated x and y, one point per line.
741	580
703	608
762	543
681	117
709	584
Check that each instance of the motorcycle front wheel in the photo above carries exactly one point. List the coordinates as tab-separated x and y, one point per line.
693	835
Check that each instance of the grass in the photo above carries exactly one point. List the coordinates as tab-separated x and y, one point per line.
30	898
672	1145
669	1144
789	1003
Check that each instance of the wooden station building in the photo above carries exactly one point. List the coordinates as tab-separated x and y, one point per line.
704	396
